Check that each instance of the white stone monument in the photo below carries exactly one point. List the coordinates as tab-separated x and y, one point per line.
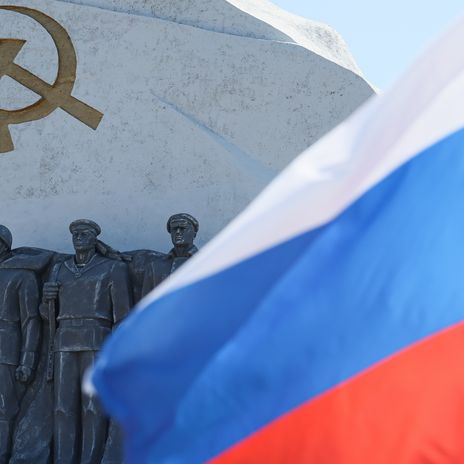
204	102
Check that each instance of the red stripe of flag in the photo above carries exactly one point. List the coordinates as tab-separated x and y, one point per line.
406	409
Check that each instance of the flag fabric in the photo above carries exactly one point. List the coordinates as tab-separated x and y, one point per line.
325	323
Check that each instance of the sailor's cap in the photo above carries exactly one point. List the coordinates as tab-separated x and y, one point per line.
86	223
183	217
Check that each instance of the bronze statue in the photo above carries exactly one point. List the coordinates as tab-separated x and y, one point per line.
183	229
44	415
19	338
86	296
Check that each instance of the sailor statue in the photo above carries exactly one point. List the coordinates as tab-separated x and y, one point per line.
183	229
86	297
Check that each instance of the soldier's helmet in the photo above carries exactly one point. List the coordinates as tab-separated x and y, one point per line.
6	237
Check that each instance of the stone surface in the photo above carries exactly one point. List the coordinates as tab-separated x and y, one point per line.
204	103
258	19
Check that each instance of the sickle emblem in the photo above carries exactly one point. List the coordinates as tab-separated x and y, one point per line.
53	96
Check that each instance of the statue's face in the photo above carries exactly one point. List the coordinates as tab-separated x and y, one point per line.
182	233
83	238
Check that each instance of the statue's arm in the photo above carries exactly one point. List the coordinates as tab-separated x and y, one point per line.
121	293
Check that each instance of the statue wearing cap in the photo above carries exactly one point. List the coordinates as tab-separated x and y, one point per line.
19	338
91	295
183	229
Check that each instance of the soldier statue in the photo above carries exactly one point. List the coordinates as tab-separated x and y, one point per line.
87	296
19	338
183	229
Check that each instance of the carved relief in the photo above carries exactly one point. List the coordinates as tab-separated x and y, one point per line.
51	333
56	95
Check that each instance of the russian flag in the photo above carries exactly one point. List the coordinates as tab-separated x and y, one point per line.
325	324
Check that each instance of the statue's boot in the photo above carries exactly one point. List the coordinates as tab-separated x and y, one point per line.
9	407
67	409
6	433
94	421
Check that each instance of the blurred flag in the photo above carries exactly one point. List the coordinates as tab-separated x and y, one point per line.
324	325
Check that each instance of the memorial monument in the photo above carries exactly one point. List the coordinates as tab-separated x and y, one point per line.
126	112
203	103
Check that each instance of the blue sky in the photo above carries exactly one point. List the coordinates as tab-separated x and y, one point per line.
384	36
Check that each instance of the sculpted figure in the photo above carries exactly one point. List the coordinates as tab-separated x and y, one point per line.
87	296
19	338
183	229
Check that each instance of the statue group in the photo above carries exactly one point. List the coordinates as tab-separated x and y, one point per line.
56	311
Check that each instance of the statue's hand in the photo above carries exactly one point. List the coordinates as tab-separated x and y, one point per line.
50	291
24	374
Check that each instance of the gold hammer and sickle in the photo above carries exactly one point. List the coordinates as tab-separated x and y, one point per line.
56	95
